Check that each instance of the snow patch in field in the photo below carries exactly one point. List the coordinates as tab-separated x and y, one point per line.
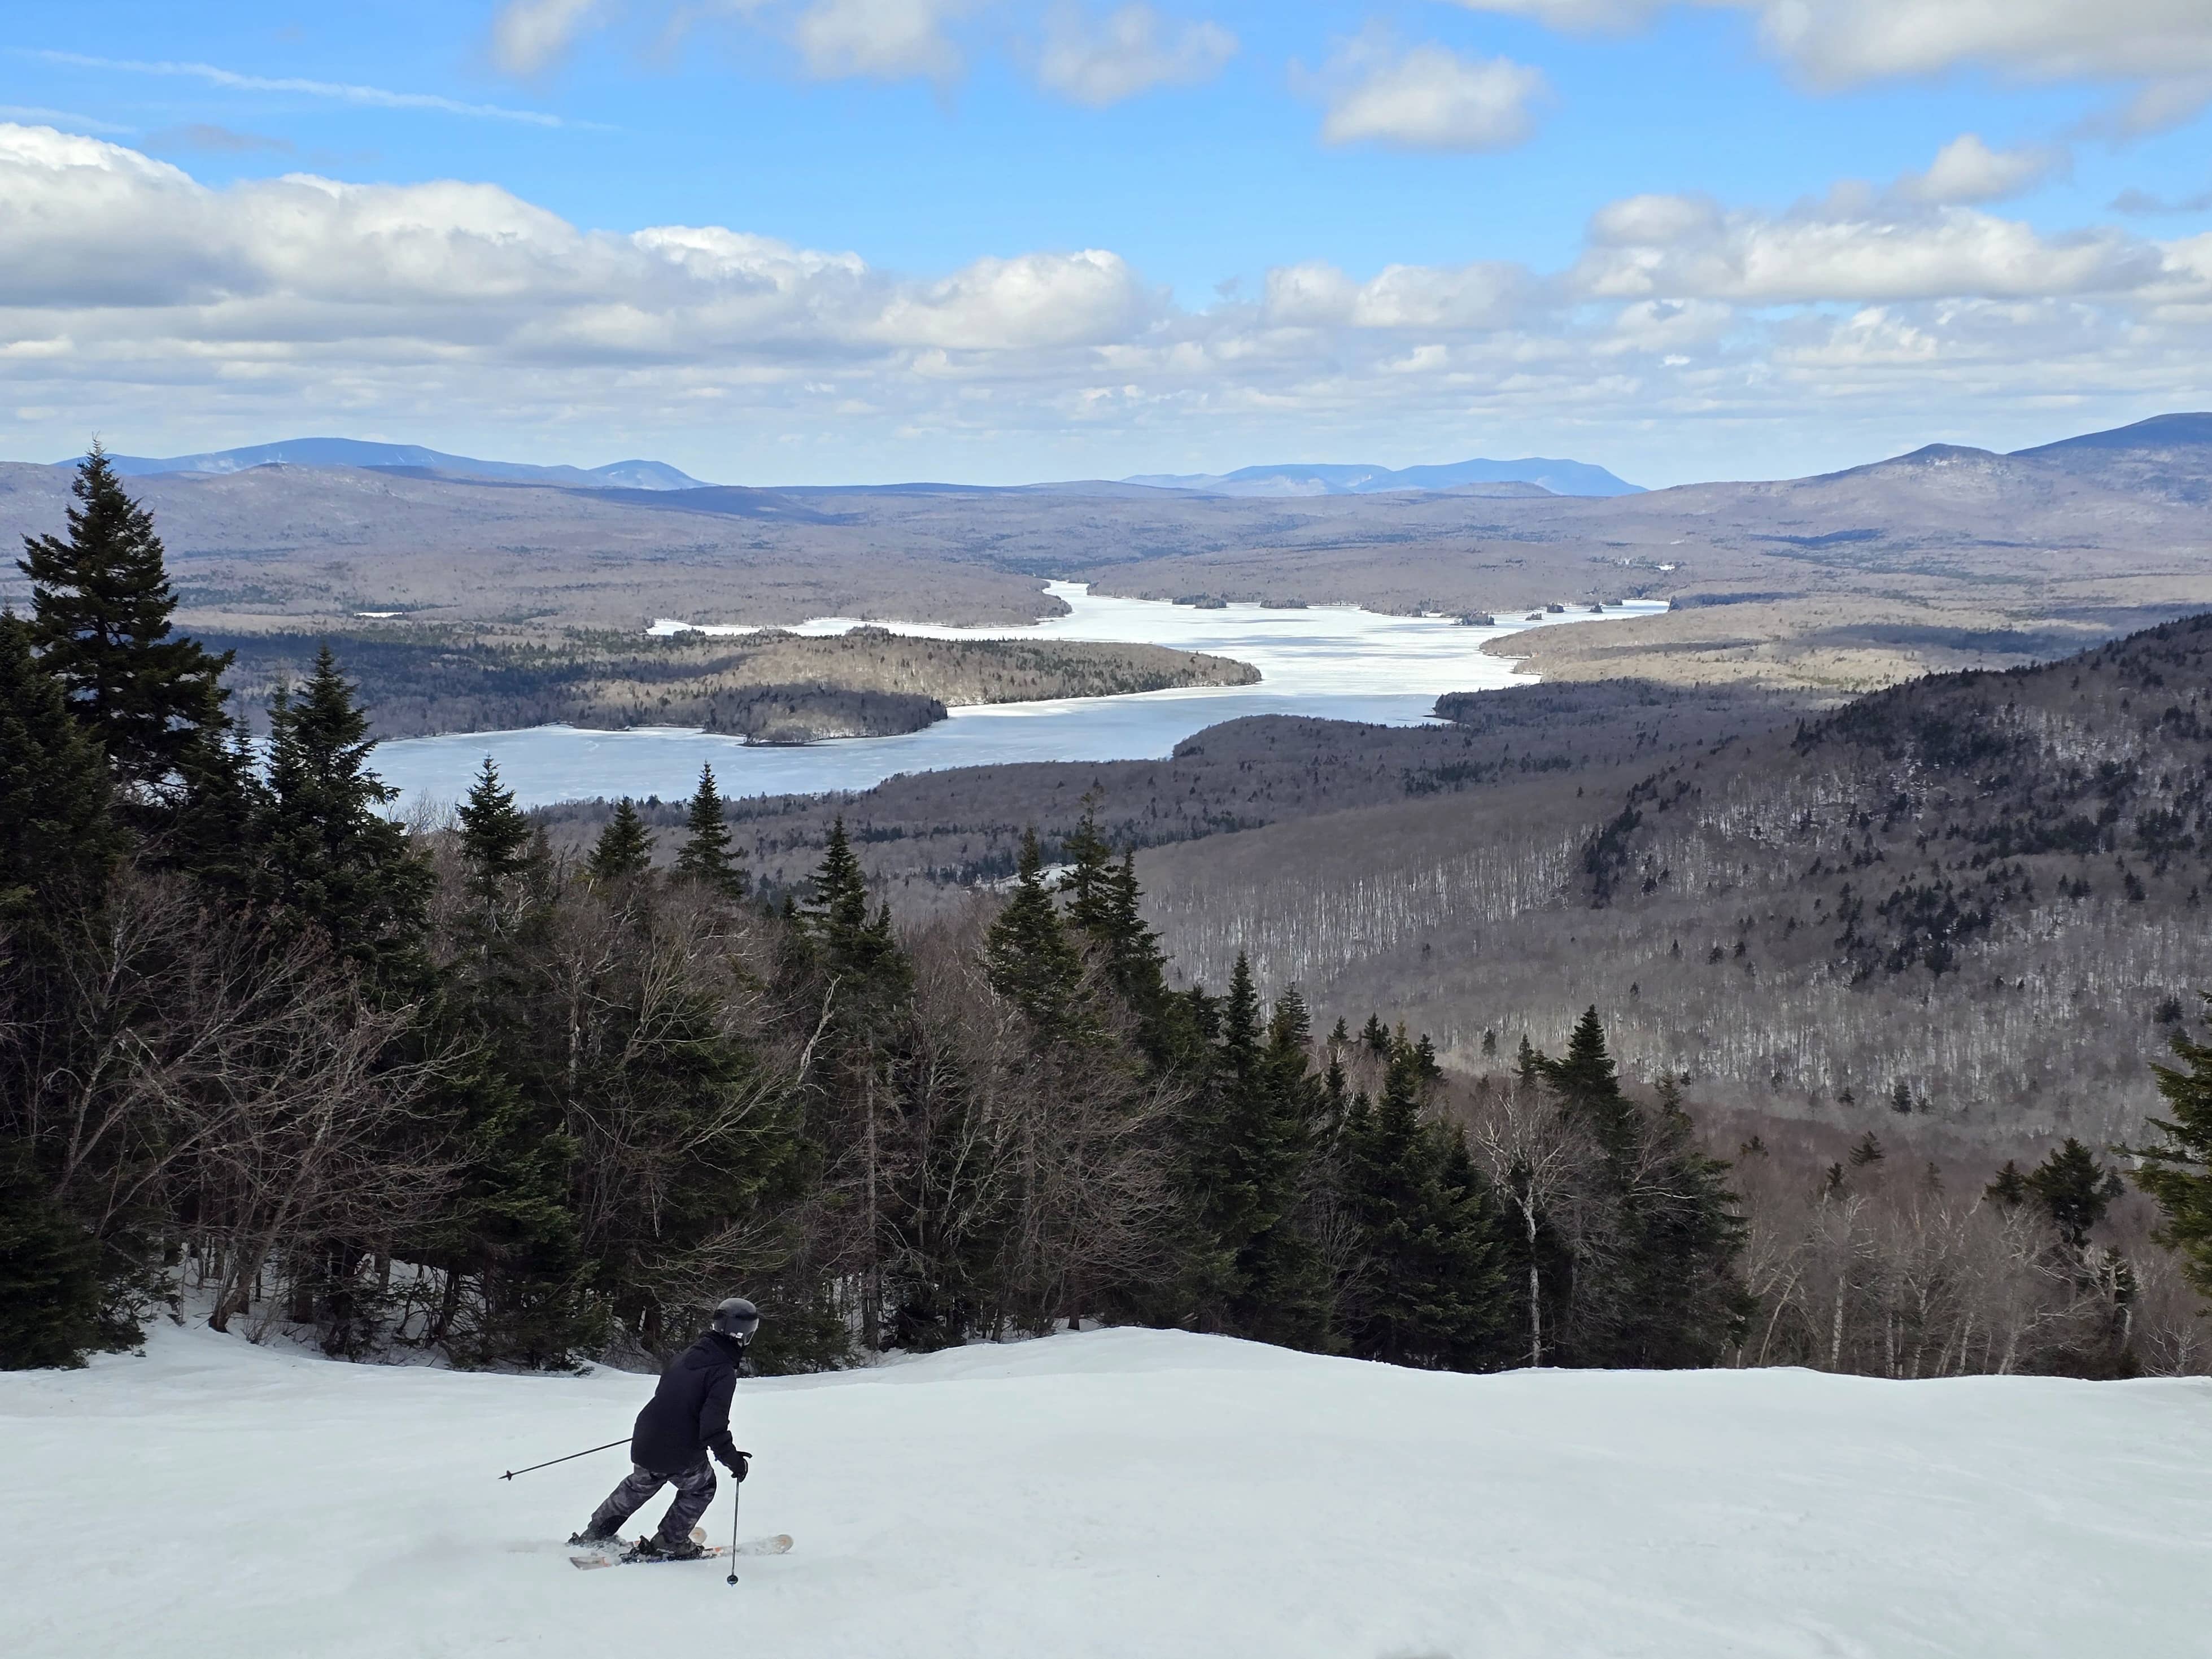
1114	1493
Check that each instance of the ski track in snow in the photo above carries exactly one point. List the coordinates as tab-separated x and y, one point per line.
1114	1493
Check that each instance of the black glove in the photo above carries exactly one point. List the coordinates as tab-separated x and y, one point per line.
739	1464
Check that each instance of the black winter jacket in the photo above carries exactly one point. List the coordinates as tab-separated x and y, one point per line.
689	1412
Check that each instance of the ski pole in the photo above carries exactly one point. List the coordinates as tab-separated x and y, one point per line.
737	1494
570	1458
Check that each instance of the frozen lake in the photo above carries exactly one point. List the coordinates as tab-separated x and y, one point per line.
1333	662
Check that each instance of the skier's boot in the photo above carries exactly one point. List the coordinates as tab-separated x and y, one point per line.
662	1549
585	1537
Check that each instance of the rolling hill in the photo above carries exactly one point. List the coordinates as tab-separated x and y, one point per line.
407	458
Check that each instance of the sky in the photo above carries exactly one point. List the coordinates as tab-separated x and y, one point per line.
811	241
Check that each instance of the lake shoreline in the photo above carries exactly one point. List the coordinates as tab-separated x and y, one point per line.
1337	663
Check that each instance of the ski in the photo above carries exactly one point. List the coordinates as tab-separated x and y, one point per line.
774	1544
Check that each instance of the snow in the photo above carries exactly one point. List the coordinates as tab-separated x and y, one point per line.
1333	662
1112	1493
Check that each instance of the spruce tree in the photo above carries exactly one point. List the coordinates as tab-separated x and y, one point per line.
217	832
1089	883
1250	1155
333	860
2009	1190
496	837
858	949
706	855
101	606
624	848
2075	1190
1027	953
2178	1172
51	1292
1429	1289
58	836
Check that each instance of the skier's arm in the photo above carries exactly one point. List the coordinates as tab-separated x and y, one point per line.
714	1418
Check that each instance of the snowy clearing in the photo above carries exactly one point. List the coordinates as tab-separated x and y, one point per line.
1118	1492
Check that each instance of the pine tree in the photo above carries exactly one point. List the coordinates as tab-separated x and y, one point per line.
2075	1190
2009	1190
58	836
706	856
624	848
1376	1034
101	603
1868	1151
2178	1172
334	860
495	836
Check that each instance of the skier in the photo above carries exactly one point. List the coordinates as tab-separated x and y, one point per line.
687	1417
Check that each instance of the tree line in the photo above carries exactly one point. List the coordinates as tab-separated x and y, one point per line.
264	1048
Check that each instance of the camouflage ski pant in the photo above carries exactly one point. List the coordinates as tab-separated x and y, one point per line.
694	1489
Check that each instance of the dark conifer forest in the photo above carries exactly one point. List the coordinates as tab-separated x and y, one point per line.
268	1058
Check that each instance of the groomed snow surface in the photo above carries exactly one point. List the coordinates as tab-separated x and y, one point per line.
1115	1493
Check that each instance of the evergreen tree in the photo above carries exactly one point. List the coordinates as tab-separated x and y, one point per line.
51	1292
1682	1300
100	605
1430	1292
2178	1172
1027	952
334	860
1587	1078
1089	883
1376	1034
624	848
2075	1190
706	855
1868	1151
2009	1190
495	839
217	831
58	838
1250	1154
859	950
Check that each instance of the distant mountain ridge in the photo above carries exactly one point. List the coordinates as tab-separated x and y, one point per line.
1545	476
410	457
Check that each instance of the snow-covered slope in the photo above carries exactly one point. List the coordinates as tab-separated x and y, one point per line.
1119	1492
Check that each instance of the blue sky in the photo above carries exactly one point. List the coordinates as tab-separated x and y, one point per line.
998	240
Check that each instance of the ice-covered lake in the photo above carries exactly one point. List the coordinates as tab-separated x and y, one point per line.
1335	662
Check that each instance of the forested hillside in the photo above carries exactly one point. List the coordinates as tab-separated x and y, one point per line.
1976	900
773	687
926	835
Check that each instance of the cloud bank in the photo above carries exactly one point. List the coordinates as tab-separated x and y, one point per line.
135	296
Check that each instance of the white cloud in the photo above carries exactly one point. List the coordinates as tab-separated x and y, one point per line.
1448	298
879	39
529	35
1684	247
1102	61
1966	170
1842	42
135	297
1424	98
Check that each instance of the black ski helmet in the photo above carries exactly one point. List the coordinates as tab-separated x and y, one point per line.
737	1318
